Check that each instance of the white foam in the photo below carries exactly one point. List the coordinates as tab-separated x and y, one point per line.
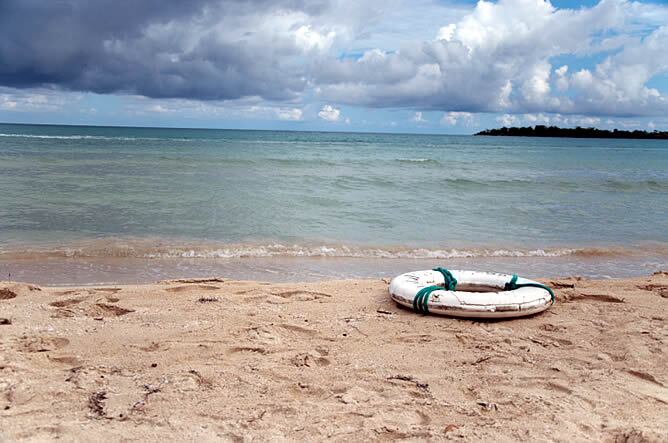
88	137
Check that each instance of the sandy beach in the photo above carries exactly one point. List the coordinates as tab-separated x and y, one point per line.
215	359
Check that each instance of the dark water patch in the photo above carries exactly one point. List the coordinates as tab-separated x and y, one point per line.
419	161
636	185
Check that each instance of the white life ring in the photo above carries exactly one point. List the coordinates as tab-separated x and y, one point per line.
477	294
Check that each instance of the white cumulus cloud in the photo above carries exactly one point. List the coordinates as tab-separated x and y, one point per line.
454	118
292	114
508	120
329	113
498	58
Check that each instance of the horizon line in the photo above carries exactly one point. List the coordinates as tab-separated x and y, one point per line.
233	129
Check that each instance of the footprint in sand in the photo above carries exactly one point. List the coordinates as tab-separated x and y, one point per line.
309	360
276	334
63	313
265	335
41	343
95	310
191	381
66	359
645	376
302	295
299	330
559	387
106	310
66	303
415	338
154	346
577	296
660	290
280	298
247	349
633	435
6	294
248	291
549	327
68	292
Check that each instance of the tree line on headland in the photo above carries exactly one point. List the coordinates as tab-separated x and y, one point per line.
578	132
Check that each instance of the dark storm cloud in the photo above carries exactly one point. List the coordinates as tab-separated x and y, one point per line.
200	49
498	57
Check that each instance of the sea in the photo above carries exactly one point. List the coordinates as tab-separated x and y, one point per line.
93	205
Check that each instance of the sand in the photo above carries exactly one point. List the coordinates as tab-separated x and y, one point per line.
240	361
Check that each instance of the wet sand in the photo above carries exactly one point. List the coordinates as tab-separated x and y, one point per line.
235	360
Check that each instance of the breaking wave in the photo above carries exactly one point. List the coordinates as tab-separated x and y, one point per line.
159	250
425	161
87	137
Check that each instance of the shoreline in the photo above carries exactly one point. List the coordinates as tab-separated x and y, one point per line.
87	271
141	261
222	359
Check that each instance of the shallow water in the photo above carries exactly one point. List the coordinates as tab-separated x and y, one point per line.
227	201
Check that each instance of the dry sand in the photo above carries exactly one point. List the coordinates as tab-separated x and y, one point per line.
232	360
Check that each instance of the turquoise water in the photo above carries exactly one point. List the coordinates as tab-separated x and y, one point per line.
148	193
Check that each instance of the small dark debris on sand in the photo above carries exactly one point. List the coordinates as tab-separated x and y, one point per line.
96	403
195	280
562	285
487	406
208	300
421	386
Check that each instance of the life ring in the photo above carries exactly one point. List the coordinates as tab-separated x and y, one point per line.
477	294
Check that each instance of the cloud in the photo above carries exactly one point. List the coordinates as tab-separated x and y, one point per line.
508	120
498	59
291	114
551	119
35	100
160	109
618	85
417	118
561	78
453	118
200	49
573	120
329	113
7	103
507	57
540	119
308	39
248	108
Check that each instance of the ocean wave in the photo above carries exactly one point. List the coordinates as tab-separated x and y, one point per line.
147	250
465	183
635	185
90	137
299	161
426	161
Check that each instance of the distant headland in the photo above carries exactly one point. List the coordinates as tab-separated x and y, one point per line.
578	132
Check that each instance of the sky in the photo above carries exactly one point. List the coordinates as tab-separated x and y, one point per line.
426	66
